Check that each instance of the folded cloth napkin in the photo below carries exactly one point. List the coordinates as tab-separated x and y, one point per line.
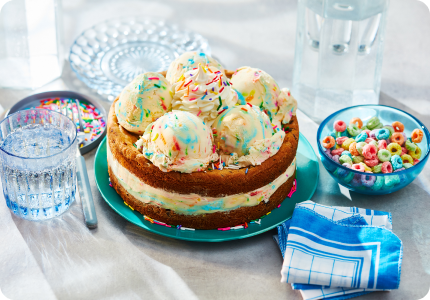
339	252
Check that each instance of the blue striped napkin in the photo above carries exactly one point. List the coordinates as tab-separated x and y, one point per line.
339	252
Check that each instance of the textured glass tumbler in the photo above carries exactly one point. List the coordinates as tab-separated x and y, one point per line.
37	160
338	55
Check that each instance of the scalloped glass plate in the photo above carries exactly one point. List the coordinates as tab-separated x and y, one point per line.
307	179
107	56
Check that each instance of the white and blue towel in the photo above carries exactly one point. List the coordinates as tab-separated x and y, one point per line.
339	252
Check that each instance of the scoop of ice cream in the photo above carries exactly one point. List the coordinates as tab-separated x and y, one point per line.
287	106
239	127
178	141
244	136
144	100
187	61
258	88
205	92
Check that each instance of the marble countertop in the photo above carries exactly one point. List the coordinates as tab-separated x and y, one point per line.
62	259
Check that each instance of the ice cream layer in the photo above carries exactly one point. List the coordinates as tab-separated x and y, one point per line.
193	203
144	100
244	133
204	92
187	61
287	107
258	88
178	141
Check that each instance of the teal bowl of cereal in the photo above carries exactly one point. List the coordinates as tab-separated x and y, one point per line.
373	149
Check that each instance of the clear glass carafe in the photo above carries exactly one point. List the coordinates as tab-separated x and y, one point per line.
30	47
338	55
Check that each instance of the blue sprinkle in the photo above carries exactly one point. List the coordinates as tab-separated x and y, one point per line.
246	172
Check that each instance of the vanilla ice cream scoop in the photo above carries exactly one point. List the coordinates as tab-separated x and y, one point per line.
239	127
178	141
187	61
287	106
205	92
144	100
258	88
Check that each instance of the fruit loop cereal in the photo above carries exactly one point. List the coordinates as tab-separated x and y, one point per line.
356	121
373	148
417	136
398	127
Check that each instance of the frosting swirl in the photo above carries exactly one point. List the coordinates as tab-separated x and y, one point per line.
204	92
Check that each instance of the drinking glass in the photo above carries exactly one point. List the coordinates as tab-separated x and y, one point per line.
37	161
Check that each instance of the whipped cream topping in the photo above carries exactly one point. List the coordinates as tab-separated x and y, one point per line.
193	203
204	92
178	141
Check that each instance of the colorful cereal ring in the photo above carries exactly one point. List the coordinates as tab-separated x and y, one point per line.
398	127
369	151
347	153
416	161
341	133
396	162
353	149
372	134
337	151
371	162
379	183
398	170
384	155
390	129
382	144
417	136
404	151
415	154
353	130
361	137
328	142
374	143
368	180
345	159
347	143
382	134
347	165
356	121
410	146
377	168
407	159
357	159
339	125
397	138
356	181
386	167
358	167
392	180
395	149
360	146
373	123
379	126
341	139
366	168
407	165
335	158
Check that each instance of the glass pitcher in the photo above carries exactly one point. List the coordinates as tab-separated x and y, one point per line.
30	47
338	55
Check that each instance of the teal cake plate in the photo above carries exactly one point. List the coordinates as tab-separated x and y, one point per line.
307	179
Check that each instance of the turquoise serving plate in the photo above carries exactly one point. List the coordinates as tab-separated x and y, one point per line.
307	178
